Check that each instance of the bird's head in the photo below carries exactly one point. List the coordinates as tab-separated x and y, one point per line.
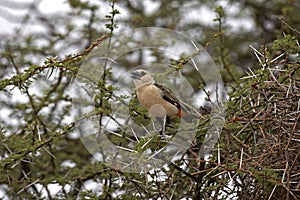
141	77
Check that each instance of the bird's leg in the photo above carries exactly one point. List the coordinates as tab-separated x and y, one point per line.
163	128
165	122
161	123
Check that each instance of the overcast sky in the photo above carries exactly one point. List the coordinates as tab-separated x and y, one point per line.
50	7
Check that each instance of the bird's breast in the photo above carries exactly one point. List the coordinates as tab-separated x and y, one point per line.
151	99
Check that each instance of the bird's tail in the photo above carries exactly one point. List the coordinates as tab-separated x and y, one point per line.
188	117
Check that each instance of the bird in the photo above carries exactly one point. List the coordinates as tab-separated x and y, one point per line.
157	99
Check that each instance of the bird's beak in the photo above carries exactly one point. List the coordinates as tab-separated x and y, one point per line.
135	75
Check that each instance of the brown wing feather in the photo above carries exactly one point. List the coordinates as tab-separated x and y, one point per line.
169	96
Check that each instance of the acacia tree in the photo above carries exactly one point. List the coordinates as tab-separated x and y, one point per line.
257	154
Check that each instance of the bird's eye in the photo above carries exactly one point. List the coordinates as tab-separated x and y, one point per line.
142	73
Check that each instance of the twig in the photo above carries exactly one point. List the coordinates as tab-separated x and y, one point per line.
28	186
290	27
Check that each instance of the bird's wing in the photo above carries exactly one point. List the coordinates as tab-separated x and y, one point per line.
169	96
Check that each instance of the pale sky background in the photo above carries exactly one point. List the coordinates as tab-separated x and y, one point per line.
58	6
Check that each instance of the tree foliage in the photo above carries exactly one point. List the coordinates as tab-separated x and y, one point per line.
257	155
